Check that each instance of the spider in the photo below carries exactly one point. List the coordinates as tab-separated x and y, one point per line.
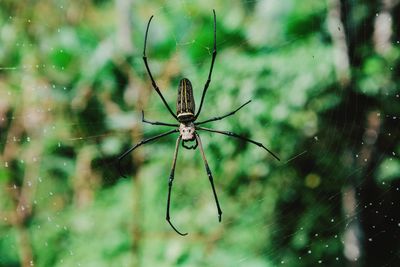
188	125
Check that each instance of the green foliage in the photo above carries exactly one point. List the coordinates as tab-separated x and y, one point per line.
71	101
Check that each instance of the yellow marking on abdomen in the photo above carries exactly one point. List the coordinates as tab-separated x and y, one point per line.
187	109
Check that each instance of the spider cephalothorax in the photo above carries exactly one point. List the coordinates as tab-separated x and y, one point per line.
187	131
188	126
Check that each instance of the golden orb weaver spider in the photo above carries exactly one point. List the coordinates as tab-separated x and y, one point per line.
187	127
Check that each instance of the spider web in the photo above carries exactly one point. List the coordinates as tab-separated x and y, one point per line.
263	202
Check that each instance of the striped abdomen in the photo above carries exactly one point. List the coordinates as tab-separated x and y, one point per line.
185	103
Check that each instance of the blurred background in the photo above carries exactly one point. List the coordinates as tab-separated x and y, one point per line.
323	77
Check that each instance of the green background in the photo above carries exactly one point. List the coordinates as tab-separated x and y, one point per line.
323	77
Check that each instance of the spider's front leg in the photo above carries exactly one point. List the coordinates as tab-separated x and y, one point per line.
210	177
170	181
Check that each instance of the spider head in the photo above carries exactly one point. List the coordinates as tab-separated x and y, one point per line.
187	131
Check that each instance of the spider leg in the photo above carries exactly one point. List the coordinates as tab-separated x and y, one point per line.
224	116
171	179
210	177
239	137
139	144
214	55
157	122
153	82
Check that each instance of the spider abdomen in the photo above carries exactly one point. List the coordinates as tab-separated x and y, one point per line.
185	106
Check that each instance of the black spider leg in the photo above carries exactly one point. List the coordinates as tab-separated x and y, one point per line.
224	116
239	137
153	83
139	144
210	177
214	54
171	179
190	147
157	122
